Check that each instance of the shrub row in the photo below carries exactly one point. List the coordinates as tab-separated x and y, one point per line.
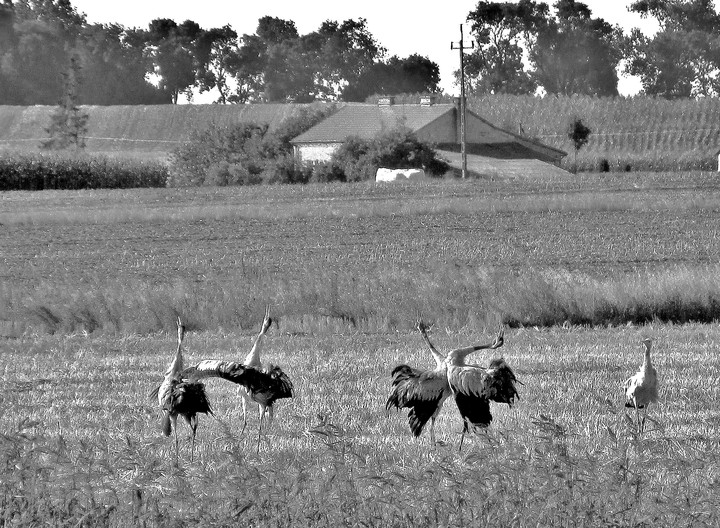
36	172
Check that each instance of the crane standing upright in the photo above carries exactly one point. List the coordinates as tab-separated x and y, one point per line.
265	386
179	396
421	391
261	384
253	360
641	389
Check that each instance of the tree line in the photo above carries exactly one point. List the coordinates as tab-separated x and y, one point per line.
522	47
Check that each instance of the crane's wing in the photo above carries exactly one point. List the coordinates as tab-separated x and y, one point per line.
264	385
423	392
474	387
216	368
631	388
496	383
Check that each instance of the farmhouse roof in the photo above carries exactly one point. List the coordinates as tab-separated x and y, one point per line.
438	123
367	120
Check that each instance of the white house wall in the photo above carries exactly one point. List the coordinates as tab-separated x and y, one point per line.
315	152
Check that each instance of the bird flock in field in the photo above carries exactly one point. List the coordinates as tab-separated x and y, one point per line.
422	392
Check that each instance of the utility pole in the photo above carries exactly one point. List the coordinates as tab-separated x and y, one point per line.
460	46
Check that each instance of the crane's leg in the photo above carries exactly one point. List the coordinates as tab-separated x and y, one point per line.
271	415
244	409
637	417
193	426
262	416
644	416
432	430
462	437
173	420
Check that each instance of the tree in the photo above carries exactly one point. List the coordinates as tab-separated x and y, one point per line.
414	74
218	52
502	30
37	39
113	72
576	54
173	53
683	58
344	51
68	123
271	65
277	64
578	133
568	53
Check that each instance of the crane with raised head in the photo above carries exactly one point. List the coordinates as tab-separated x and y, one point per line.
264	385
423	392
253	360
179	396
474	387
641	389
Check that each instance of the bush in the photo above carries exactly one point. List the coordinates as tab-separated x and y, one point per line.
244	154
359	159
327	172
204	156
284	169
223	173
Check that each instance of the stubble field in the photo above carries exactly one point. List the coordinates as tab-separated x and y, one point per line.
91	283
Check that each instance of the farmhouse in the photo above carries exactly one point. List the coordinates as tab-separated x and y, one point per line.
438	124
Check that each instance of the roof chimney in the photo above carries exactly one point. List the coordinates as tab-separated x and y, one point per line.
427	100
386	100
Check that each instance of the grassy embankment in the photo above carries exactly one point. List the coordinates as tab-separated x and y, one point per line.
644	134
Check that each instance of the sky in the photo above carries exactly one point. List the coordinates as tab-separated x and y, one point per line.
403	27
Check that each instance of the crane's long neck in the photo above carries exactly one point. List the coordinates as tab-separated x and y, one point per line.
647	365
177	364
457	356
437	356
253	357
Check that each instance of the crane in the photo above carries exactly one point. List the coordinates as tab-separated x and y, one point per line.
180	396
473	387
641	389
264	385
253	360
421	391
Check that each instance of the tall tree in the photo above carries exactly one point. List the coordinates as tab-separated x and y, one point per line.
173	50
575	53
114	72
270	65
218	52
68	124
502	31
683	58
344	51
413	74
38	39
278	64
